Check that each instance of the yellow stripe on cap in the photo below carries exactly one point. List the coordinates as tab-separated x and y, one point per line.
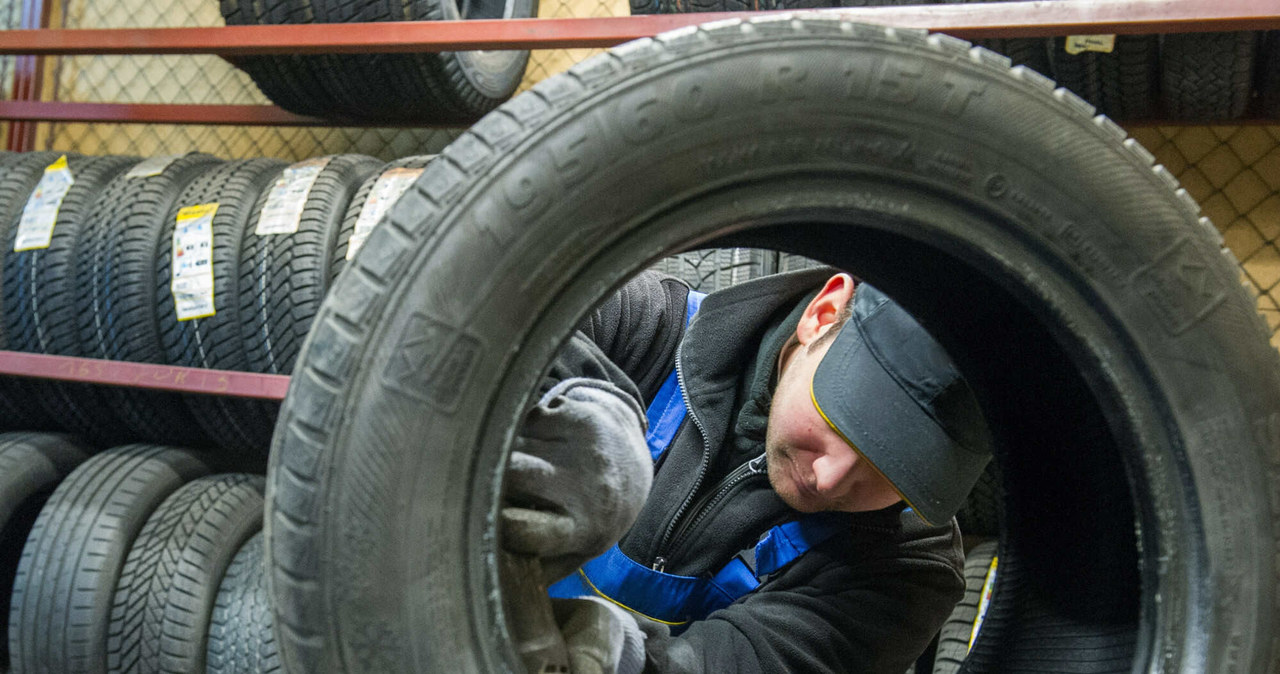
871	463
622	605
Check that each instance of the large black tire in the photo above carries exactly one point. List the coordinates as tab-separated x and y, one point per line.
283	277
1207	77
1125	373
241	638
18	408
63	590
953	640
39	288
360	202
216	341
160	616
116	295
31	466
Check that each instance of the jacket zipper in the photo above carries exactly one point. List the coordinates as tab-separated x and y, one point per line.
660	562
750	469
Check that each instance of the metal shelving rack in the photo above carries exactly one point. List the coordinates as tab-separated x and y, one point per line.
1041	18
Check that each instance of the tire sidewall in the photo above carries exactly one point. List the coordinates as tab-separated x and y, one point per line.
451	369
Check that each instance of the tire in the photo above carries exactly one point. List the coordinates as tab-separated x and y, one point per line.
1042	250
1030	52
713	269
456	87
980	514
1207	77
63	590
241	638
160	617
216	341
39	289
116	295
1269	75
290	81
18	409
953	640
283	277
446	87
360	202
31	466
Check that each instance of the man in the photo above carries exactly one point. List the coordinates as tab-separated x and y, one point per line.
789	422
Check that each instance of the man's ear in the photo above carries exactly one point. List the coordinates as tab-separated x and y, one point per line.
821	313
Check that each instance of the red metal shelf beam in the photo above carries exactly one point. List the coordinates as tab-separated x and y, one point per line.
1013	19
144	375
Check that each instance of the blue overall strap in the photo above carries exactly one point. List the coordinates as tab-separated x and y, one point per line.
667	411
786	542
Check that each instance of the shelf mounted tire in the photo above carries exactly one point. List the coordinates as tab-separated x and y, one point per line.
1124	371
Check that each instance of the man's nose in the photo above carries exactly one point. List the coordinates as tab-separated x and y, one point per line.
832	469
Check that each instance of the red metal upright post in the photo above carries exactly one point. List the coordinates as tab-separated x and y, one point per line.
28	77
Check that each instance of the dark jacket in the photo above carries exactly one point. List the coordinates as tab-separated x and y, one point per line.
869	601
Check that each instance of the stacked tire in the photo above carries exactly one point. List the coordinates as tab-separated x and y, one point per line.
445	87
180	260
130	559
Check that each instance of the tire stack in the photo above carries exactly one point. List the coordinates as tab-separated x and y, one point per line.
1192	77
147	556
446	87
89	270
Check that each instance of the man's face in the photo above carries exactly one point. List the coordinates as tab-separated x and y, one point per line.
810	466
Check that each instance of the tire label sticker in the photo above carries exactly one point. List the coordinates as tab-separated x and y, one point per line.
153	166
984	600
35	229
386	191
192	283
283	211
1078	44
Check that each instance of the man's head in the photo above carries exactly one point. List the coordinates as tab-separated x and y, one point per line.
869	410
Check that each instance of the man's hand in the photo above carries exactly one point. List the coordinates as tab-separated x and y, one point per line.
580	471
601	638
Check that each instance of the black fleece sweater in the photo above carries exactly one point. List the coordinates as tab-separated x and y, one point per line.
868	601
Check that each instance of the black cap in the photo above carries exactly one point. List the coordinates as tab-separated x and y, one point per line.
893	394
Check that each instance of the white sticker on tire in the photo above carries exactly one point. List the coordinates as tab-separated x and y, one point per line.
386	190
1078	44
35	228
192	282
282	213
984	600
153	166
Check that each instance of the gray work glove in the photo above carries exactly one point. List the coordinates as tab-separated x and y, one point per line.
580	471
601	638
